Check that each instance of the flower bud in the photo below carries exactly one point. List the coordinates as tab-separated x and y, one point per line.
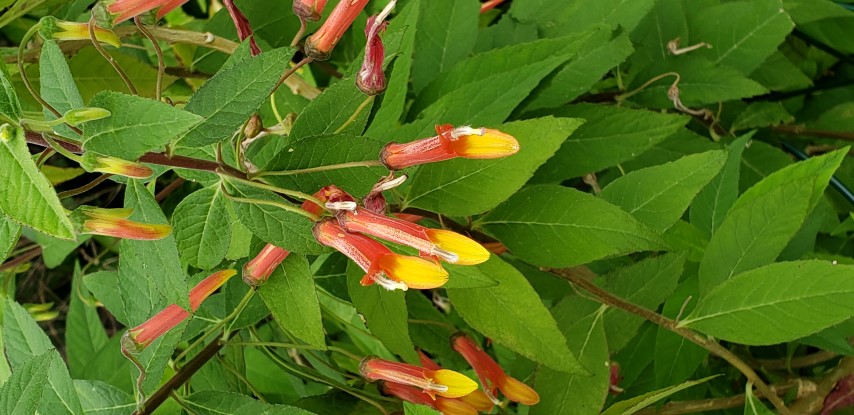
114	222
53	28
310	10
319	45
92	162
371	78
78	116
258	270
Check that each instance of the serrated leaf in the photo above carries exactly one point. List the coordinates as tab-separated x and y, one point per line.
561	393
675	357
9	233
228	98
93	74
572	16
201	227
465	187
341	108
742	34
410	408
610	135
57	87
59	396
21	394
465	276
824	21
779	73
659	195
713	202
384	312
762	114
556	226
291	297
150	272
285	229
23	337
99	398
633	405
765	218
137	125
84	334
775	303
10	107
28	198
446	34
220	403
512	314
317	152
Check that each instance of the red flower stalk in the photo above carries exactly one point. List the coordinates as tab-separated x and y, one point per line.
447	245
319	45
371	79
310	10
258	270
450	142
491	376
139	337
122	10
114	222
382	266
442	382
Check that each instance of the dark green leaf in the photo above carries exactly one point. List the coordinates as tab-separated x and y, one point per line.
10	107
676	358
23	337
93	74
752	404
466	187
9	233
291	297
511	314
341	108
22	392
465	276
221	403
573	16
99	398
560	227
202	230
137	125
57	86
413	409
762	114
447	31
84	334
775	303
658	195
28	198
637	403
714	201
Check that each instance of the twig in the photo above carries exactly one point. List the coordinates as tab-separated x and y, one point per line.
800	130
814	402
11	264
85	188
712	346
797	362
300	32
714	404
171	187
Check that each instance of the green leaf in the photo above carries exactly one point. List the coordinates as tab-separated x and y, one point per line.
58	175
220	403
9	233
610	135
511	314
273	224
465	187
779	73
714	201
84	334
28	198
23	337
752	404
685	237
824	21
742	34
561	393
59	396
675	357
228	98
446	33
99	398
137	125
657	196
54	250
341	108
311	155
765	218
637	403
556	226
384	312
665	21
57	87
775	303
10	107
202	227
465	276
410	408
21	394
150	271
291	297
572	16
93	74
762	114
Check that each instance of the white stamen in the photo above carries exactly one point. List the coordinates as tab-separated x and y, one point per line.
386	11
390	184
438	387
444	255
349	206
466	130
389	284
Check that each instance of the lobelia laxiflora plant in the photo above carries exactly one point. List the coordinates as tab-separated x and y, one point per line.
459	207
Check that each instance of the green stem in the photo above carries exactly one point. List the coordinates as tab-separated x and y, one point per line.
27	36
61	150
242	378
109	58
219	325
161	66
279	205
356	113
352	164
85	188
622	97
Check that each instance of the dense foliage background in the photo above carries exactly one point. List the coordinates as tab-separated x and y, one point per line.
673	236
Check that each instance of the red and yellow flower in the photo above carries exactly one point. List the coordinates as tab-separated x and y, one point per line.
491	376
442	382
449	143
114	222
258	270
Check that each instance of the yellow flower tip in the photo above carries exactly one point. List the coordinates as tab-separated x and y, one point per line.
113	165
517	391
416	273
478	400
484	144
468	251
455	407
80	31
207	287
458	385
126	229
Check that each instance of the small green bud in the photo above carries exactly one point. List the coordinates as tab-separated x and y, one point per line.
78	116
7	132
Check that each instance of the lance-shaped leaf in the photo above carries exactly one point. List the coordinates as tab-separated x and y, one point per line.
291	297
202	229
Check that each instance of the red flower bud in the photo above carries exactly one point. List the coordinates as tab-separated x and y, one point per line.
310	10
256	271
319	45
371	79
491	376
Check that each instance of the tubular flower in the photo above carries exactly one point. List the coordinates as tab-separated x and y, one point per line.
121	10
478	399
450	142
491	376
319	45
371	79
383	267
256	271
139	337
105	164
449	246
114	222
310	10
332	197
445	405
443	382
53	28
